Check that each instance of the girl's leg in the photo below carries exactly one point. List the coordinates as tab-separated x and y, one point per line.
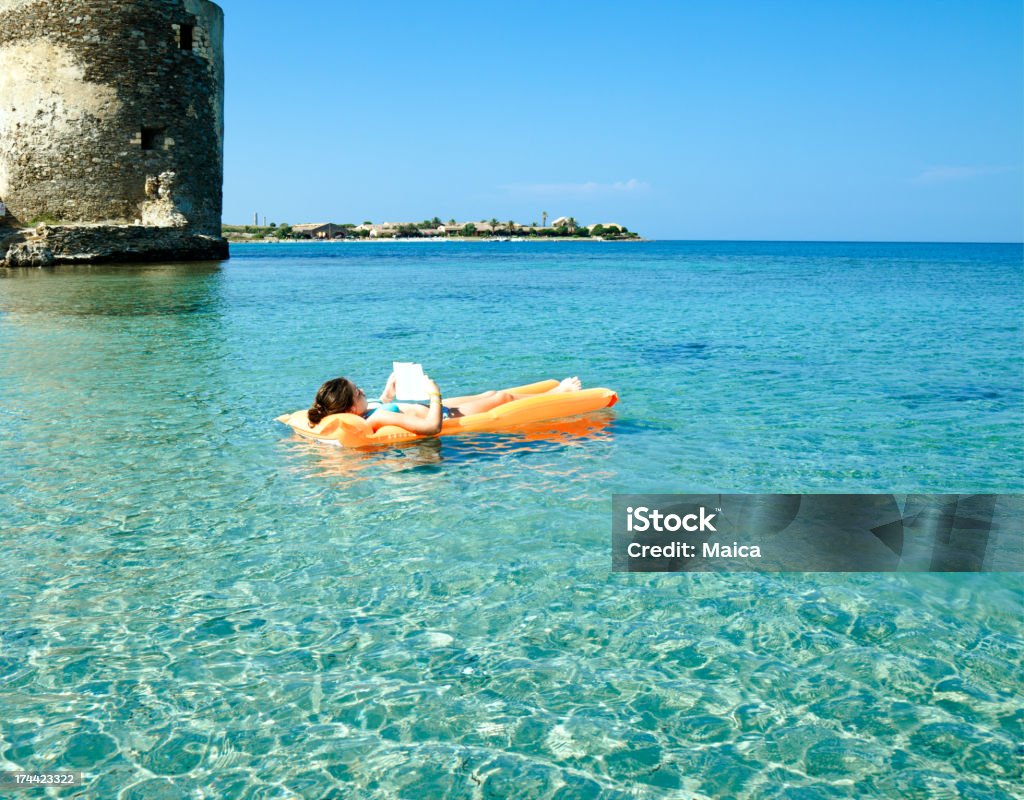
452	402
456	402
478	404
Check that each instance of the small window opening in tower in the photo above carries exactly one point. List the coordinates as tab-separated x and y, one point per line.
186	36
152	138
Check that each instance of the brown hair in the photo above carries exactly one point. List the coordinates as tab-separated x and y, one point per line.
336	396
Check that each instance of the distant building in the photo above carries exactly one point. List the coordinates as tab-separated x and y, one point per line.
317	230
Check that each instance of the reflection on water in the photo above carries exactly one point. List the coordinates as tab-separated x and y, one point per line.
113	290
352	465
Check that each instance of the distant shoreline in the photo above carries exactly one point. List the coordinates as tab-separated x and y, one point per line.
562	229
436	239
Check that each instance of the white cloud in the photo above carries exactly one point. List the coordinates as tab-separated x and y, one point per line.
945	174
590	187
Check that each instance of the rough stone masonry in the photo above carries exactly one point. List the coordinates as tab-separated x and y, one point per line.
111	130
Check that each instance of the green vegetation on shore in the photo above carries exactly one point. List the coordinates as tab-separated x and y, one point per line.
567	227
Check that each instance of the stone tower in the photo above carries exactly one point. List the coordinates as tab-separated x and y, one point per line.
112	115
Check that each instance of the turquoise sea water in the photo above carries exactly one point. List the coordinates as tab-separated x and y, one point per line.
196	604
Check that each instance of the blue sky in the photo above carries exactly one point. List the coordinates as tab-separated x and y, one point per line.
816	120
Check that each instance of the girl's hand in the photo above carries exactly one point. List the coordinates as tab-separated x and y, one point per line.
389	389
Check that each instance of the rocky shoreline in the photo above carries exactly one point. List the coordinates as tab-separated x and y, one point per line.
47	245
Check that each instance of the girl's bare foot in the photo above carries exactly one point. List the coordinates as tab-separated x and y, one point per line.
568	385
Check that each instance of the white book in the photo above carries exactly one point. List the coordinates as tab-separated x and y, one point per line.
410	381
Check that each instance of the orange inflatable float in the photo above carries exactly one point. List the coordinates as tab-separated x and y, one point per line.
351	430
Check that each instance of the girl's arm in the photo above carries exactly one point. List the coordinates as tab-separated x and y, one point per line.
426	426
389	389
434	412
420	425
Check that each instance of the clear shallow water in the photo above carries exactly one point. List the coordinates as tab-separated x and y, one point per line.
196	604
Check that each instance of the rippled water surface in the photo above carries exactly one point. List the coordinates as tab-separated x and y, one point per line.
196	604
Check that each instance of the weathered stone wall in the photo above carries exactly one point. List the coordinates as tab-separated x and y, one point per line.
86	86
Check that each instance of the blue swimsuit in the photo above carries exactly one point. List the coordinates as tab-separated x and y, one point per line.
378	406
394	407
